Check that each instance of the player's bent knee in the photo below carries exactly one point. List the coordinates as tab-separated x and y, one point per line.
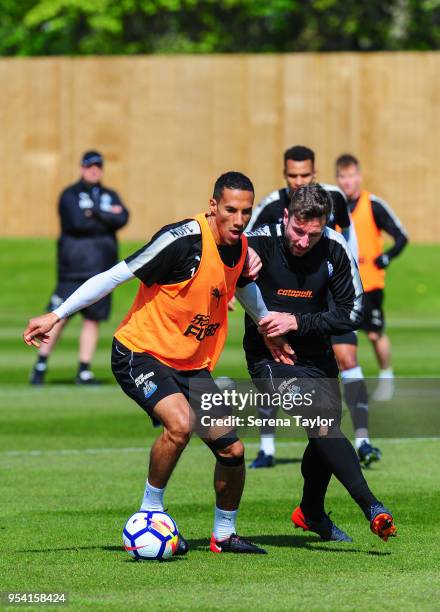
230	461
178	437
232	455
228	450
236	449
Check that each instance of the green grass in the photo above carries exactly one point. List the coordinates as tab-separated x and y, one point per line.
73	464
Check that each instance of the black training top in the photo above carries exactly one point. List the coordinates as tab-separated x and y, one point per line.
271	208
301	285
386	220
173	255
87	245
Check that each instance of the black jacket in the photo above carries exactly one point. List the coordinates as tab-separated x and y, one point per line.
87	244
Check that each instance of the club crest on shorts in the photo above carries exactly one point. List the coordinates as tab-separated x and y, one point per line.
149	388
289	387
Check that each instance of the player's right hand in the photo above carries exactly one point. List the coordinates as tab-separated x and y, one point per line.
38	329
280	350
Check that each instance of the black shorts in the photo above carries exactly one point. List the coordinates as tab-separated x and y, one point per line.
270	377
373	320
147	381
348	338
100	311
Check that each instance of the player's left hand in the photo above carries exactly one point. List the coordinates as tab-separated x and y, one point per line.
232	304
277	324
252	265
280	350
116	209
38	329
383	261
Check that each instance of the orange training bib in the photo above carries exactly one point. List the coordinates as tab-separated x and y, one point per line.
185	325
370	243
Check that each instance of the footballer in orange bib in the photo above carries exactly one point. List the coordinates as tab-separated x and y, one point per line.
169	342
372	216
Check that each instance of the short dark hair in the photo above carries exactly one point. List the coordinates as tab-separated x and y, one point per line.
231	180
346	160
299	153
310	202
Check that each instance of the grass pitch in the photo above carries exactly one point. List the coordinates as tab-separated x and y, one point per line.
74	461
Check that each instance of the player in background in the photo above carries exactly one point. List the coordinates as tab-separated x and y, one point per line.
90	215
173	335
299	169
303	261
372	216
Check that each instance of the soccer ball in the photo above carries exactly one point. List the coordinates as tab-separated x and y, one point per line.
150	535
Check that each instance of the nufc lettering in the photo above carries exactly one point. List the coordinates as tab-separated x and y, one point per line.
200	327
184	230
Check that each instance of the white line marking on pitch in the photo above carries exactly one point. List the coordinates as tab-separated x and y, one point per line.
140	449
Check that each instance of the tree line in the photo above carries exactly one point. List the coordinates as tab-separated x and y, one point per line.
126	27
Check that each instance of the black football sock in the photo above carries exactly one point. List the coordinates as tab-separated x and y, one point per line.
356	398
340	457
316	476
83	367
41	361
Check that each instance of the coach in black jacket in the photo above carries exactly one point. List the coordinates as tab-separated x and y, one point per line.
90	215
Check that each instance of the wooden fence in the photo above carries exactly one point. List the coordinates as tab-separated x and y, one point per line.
169	125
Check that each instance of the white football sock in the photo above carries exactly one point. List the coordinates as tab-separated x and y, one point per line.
359	439
153	498
267	444
348	375
388	373
224	523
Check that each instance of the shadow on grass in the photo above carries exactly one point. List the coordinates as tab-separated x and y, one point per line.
70	382
293	541
313	543
285	461
118	549
74	548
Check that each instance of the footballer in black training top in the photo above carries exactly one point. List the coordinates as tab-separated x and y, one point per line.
303	262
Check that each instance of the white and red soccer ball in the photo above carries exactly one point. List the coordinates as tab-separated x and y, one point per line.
150	534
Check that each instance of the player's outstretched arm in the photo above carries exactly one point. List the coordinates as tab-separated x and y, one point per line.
88	293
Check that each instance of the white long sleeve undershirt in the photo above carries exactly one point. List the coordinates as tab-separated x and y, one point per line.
252	301
104	283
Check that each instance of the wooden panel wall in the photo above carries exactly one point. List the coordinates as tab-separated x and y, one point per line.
168	126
